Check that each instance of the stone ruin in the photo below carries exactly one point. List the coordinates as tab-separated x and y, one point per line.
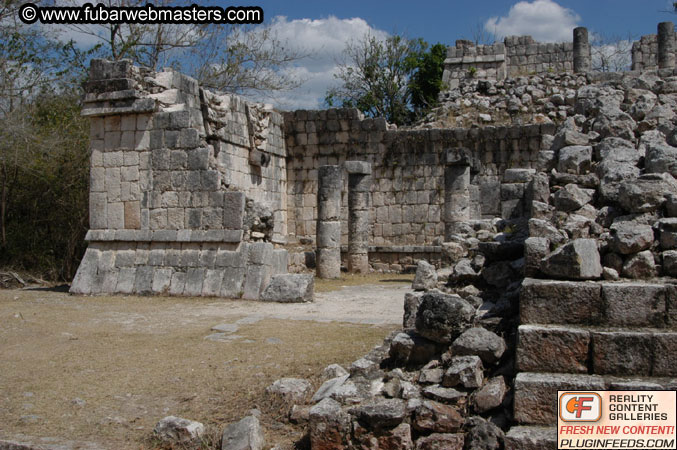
545	254
187	191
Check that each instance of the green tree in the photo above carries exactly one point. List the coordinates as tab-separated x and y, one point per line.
374	77
43	149
426	82
396	78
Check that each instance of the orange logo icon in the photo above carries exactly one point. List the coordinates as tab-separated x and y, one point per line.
580	407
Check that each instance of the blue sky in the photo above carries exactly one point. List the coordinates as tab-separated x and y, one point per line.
446	21
322	28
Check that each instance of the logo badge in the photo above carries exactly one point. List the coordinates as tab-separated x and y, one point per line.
580	407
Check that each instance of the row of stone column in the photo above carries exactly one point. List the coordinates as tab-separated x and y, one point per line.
328	239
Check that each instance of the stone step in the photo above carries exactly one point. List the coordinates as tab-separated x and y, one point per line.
531	438
536	393
598	303
599	351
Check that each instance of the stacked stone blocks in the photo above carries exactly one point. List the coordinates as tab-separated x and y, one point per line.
408	171
359	207
166	216
328	222
590	336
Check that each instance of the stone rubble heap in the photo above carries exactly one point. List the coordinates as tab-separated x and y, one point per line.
533	99
596	239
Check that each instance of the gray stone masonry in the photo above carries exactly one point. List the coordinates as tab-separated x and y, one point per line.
171	174
456	192
582	51
329	222
359	207
666	45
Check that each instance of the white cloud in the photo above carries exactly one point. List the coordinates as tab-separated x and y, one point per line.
324	40
544	20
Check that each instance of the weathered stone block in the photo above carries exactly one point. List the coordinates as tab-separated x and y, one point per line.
143	283
328	234
578	260
622	353
536	393
233	210
194	281
328	262
543	348
260	253
98	211
162	278
178	283
464	370
665	349
442	318
557	302
531	438
634	304
126	280
256	279
290	288
232	285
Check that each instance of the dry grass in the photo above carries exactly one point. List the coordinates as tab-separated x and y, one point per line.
385	279
106	369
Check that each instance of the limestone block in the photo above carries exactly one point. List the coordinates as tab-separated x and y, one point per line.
622	353
82	282
665	346
132	215
143	281
534	394
635	304
328	262
543	348
116	215
233	210
289	288
126	280
233	281
442	318
579	260
555	302
260	253
212	283
194	281
162	278
98	211
256	279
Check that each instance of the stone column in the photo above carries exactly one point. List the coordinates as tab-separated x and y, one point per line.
329	222
359	206
456	192
666	45
582	55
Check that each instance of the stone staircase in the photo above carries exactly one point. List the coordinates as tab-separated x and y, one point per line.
588	336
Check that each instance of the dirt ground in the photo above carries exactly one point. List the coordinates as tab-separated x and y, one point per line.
99	372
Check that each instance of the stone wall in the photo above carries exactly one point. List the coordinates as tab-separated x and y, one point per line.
183	181
515	56
407	170
525	56
645	53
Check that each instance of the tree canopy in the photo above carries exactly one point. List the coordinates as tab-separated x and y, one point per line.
396	77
